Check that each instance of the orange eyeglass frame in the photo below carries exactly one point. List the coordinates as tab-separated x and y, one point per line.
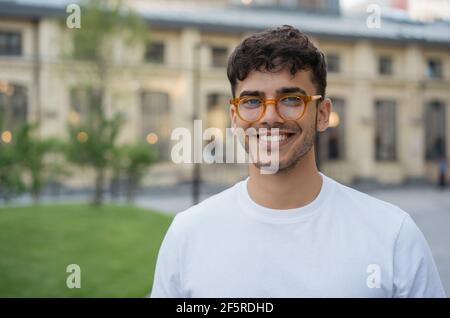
306	99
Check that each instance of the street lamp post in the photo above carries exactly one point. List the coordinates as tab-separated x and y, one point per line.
196	173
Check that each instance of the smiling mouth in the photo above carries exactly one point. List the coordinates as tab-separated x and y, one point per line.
282	138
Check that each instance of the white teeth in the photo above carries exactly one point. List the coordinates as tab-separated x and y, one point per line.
275	138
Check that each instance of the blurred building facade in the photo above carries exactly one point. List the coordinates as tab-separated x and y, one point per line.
390	85
421	10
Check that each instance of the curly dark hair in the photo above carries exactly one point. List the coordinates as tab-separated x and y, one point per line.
275	49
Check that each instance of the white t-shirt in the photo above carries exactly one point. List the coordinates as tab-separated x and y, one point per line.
342	244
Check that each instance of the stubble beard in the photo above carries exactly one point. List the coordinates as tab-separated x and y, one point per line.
299	153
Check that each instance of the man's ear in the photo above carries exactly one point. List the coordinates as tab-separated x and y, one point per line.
324	109
233	116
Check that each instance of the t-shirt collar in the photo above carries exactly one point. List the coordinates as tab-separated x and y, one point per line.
264	214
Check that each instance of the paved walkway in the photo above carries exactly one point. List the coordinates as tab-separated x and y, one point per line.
430	209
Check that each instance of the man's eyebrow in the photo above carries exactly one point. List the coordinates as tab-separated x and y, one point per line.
282	90
251	93
293	89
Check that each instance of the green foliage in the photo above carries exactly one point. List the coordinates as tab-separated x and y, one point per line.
33	155
26	155
93	142
10	177
11	183
138	158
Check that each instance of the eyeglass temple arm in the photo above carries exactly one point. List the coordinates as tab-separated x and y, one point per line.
234	101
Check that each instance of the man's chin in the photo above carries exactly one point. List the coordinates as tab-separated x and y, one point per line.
274	167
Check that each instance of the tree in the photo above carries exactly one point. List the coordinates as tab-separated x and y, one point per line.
94	140
33	157
10	177
130	164
138	158
93	144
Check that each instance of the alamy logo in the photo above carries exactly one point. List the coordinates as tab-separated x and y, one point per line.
73	20
259	146
373	21
374	278
74	279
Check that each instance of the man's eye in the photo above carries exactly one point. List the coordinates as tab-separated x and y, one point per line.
251	102
292	101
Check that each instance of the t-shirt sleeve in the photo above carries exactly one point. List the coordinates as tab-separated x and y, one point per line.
167	282
415	272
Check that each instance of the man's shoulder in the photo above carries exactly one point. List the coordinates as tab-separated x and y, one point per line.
368	206
213	208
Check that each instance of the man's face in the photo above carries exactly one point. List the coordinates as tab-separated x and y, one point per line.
300	133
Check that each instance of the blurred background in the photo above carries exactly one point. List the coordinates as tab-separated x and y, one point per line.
90	92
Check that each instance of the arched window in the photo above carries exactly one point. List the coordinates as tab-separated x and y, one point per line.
13	105
385	130
218	117
435	130
332	140
155	121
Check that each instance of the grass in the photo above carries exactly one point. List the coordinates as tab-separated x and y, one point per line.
115	246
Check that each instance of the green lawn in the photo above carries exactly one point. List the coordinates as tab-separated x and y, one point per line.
115	246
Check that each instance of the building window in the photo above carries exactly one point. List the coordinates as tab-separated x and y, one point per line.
13	106
84	102
385	65
219	56
333	63
155	121
217	109
10	43
154	52
385	130
435	130
332	140
434	68
218	117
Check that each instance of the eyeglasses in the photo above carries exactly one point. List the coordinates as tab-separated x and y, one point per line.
288	107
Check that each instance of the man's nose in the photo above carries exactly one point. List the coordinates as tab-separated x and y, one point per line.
271	116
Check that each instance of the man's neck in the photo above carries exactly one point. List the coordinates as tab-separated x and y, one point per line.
288	189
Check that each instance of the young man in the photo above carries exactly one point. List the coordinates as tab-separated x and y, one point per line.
296	232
